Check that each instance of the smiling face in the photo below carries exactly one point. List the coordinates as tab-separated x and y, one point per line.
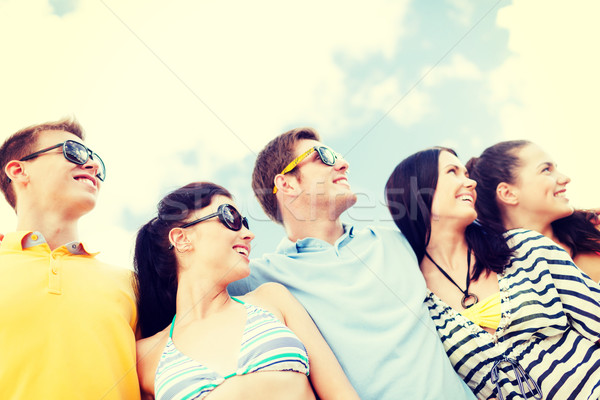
455	195
218	245
323	187
540	188
56	184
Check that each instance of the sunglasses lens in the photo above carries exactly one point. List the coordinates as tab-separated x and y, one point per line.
327	155
76	152
102	169
232	218
245	223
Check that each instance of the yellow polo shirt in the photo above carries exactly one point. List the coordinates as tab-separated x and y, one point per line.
67	323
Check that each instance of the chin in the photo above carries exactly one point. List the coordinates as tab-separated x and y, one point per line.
83	205
565	212
342	203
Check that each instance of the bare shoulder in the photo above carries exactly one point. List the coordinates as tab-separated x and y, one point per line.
272	289
149	351
271	296
152	344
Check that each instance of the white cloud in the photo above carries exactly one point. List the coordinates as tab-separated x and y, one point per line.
408	105
462	11
389	98
458	67
547	90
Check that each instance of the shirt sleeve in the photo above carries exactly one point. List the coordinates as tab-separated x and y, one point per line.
580	296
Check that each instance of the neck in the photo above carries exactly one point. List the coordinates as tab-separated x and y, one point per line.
303	217
530	221
447	245
199	297
56	230
326	230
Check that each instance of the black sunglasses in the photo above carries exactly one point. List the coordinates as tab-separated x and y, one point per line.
76	153
228	215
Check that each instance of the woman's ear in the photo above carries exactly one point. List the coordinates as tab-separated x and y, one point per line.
507	194
179	240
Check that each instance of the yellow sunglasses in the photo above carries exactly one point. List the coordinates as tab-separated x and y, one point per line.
327	156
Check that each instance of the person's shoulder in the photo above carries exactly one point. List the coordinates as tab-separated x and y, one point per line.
271	289
518	237
148	347
148	352
116	271
526	243
267	291
151	341
270	296
110	267
383	233
122	277
377	231
267	258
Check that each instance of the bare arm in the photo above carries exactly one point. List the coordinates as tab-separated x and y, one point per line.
148	353
326	375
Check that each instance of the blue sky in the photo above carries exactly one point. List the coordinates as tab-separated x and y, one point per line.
174	92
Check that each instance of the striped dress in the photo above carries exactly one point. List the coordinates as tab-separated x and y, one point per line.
548	330
267	345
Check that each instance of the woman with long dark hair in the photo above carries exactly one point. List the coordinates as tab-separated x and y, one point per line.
520	186
517	318
197	340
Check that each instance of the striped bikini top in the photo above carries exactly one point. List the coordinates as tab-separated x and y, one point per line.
267	345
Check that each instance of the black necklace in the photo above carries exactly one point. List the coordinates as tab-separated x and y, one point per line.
466	294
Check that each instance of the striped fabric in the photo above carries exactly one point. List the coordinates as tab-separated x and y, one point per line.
548	330
267	345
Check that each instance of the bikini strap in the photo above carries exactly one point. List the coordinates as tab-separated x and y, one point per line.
238	300
175	316
172	326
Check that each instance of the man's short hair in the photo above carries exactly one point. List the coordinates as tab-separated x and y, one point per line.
278	153
23	142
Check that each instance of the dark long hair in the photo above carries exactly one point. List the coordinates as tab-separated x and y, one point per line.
409	193
155	264
501	163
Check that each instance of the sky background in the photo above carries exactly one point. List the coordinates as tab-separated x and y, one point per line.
189	90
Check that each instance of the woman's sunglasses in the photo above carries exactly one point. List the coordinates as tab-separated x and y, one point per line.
76	153
228	215
327	156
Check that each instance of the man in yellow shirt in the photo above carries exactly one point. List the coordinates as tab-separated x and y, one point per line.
67	320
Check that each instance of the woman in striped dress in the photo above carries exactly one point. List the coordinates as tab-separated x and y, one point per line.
518	320
520	186
197	340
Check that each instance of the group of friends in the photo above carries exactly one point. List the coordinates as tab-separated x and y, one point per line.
487	289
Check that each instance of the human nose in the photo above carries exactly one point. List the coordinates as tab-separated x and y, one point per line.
92	164
470	183
563	179
341	164
247	234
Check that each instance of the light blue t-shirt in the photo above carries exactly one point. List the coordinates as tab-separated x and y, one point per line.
366	294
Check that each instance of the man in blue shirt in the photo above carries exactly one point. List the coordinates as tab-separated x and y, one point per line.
363	289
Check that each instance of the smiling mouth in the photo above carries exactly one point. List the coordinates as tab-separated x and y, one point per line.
86	180
466	197
562	194
242	250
